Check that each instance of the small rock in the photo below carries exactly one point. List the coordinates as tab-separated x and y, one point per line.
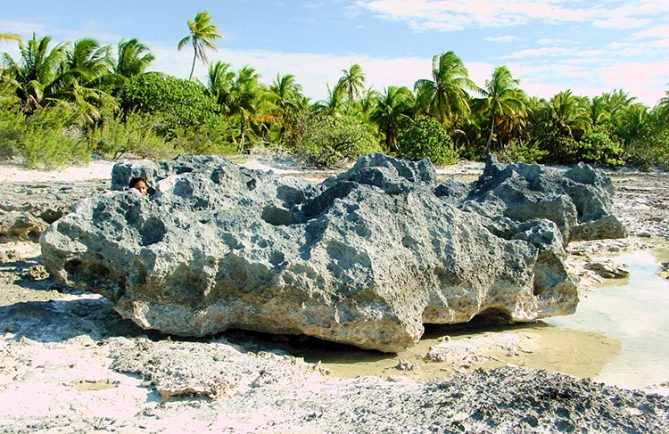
405	365
608	269
36	272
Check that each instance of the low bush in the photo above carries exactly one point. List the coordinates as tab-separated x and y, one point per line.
427	138
134	134
598	147
179	103
329	140
522	152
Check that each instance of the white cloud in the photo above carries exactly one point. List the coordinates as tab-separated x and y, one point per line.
563	52
448	15
549	41
619	22
645	80
539	52
503	39
23	28
655	32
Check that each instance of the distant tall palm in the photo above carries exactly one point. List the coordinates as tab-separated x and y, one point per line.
133	58
502	100
285	92
352	83
202	36
599	114
392	108
633	121
445	96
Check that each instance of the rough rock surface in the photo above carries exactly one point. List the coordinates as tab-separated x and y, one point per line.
26	209
365	258
577	200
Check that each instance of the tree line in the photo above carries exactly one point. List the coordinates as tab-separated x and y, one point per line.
62	102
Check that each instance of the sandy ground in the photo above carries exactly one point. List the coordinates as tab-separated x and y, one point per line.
69	363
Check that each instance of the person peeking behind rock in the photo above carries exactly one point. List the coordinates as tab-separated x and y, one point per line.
139	184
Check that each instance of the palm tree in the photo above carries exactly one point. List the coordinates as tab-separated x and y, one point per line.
202	36
38	75
334	101
10	37
392	109
285	92
502	100
246	98
352	82
445	97
569	113
286	95
662	107
86	74
599	113
220	80
133	58
633	122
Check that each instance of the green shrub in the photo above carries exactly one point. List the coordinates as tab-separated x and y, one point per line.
179	103
558	149
11	131
524	152
598	147
48	140
135	134
652	151
215	137
328	140
427	138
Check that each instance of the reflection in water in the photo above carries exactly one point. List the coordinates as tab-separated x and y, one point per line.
636	312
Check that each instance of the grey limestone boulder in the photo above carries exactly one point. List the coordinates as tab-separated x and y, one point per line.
577	200
364	258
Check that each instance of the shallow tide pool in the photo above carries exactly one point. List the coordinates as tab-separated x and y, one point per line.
634	311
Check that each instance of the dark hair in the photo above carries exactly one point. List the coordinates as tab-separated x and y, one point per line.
134	181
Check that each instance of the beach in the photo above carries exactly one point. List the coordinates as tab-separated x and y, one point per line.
70	363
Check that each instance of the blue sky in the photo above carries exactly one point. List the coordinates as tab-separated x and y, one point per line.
550	45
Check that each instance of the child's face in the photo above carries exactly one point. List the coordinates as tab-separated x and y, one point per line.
142	188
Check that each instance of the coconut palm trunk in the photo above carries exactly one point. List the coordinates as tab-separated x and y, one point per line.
492	131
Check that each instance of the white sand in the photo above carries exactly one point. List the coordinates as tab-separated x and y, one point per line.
93	171
101	170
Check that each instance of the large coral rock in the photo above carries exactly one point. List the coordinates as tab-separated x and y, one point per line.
578	200
364	258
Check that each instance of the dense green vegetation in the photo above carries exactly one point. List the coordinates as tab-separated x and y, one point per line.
60	103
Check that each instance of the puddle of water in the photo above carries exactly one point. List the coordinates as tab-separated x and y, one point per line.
93	385
574	352
634	311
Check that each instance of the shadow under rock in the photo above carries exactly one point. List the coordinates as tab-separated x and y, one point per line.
27	274
60	320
